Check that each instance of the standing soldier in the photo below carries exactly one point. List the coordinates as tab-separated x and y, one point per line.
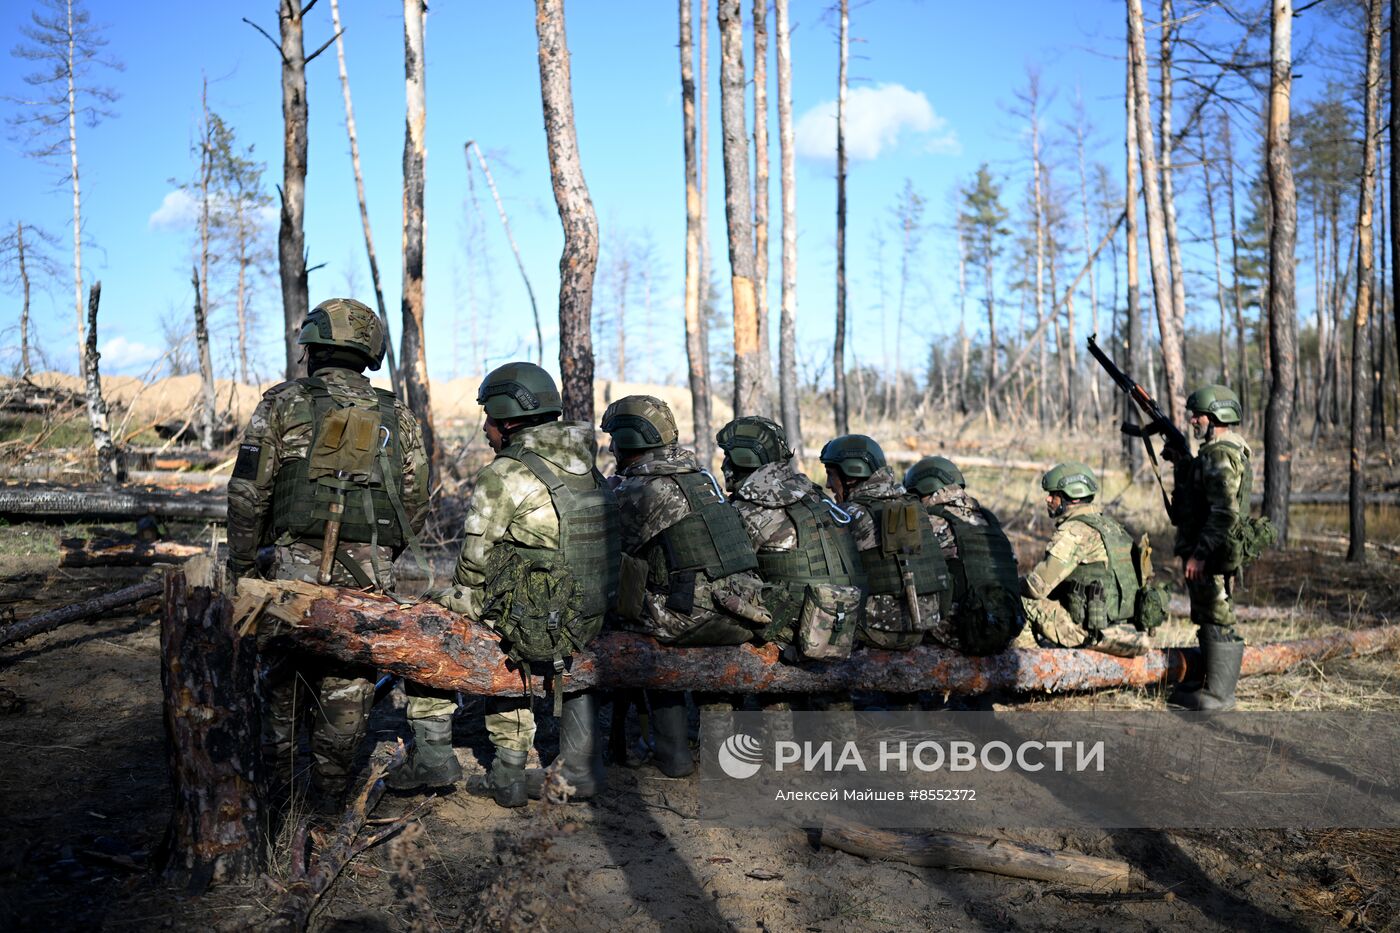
1083	593
332	476
907	578
986	605
1215	537
807	557
687	566
542	545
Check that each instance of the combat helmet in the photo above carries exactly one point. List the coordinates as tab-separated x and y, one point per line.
752	441
519	390
345	323
640	422
1071	480
931	474
855	455
1220	402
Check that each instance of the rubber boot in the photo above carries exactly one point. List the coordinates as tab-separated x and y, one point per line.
582	764
1222	665
431	763
670	728
506	780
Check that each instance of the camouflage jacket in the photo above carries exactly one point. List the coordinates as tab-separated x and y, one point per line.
511	506
956	500
1207	500
280	431
883	611
1072	544
762	499
651	501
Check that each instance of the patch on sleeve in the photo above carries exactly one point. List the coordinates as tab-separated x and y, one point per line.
246	466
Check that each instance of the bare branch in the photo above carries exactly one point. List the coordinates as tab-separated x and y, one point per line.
307	9
310	58
275	44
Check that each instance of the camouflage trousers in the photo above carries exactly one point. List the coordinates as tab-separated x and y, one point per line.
1211	602
1050	622
337	700
429	702
301	560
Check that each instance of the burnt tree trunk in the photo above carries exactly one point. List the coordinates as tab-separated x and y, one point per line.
738	212
76	612
212	728
1395	168
1282	297
760	193
697	360
579	261
25	370
1132	326
790	409
413	367
291	233
841	403
207	398
111	466
1360	333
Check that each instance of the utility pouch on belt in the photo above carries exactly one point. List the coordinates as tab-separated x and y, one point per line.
826	623
681	597
631	588
1244	542
900	536
1095	607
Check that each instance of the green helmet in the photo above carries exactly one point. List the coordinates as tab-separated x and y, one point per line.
855	455
752	441
639	422
1071	480
1220	402
519	390
931	474
346	323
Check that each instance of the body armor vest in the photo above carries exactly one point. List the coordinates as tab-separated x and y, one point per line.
590	533
1191	510
985	556
1118	578
709	539
902	549
825	553
373	511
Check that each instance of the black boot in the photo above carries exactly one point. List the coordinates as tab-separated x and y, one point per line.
506	780
582	765
432	762
1221	654
670	728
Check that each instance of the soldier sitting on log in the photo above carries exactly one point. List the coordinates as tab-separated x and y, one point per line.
687	565
332	476
986	607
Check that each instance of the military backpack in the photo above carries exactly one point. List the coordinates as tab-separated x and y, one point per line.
907	562
986	583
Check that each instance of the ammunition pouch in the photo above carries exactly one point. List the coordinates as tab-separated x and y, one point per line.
827	620
1150	610
1246	540
631	588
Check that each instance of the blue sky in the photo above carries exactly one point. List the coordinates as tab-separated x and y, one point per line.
931	86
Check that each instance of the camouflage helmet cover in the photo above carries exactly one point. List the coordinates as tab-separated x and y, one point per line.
639	422
1220	402
855	455
519	390
932	474
346	323
1071	480
752	441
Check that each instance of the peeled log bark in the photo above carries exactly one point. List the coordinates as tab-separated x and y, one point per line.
209	679
58	503
430	645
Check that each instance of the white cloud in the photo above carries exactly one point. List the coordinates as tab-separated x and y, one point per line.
875	119
176	212
122	354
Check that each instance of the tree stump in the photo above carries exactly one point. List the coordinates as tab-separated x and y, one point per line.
212	729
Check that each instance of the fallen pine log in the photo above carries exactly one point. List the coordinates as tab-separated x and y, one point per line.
430	645
980	853
86	609
179	479
78	552
69	503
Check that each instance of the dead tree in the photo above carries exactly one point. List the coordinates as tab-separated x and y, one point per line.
789	407
1132	327
841	403
510	238
706	311
110	464
738	211
1395	168
76	612
414	365
1241	353
207	398
1219	270
1360	335
360	197
1282	298
291	232
212	729
1175	270
760	190
1172	360
579	261
697	358
25	369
